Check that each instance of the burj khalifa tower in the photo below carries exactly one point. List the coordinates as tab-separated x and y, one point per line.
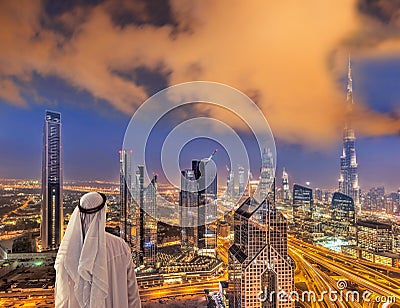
348	180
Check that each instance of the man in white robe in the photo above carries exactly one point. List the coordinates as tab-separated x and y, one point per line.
94	268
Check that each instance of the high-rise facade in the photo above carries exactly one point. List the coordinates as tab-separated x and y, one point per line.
285	186
150	224
303	208
259	264
348	180
198	209
125	194
51	228
343	215
207	210
374	236
241	181
188	209
230	185
266	174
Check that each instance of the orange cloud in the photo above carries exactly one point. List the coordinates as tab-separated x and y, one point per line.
286	54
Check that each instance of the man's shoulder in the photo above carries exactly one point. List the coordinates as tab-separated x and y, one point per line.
116	243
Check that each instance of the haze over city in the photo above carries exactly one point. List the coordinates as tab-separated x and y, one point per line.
68	57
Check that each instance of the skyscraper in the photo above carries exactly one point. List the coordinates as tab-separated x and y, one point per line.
241	180
150	224
343	215
52	182
198	206
139	215
303	208
285	186
230	185
348	180
266	174
126	200
259	265
188	209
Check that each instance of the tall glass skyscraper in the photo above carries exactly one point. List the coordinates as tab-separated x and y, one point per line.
198	206
303	207
188	209
150	224
241	180
127	232
343	215
51	228
285	186
348	180
259	265
266	175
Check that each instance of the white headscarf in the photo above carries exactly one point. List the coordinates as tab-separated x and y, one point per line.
83	257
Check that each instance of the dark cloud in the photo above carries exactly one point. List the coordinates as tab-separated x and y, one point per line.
385	11
287	56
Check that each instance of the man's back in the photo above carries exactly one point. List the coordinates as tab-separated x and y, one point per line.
123	290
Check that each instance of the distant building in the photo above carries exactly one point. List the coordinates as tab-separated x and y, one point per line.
224	229
139	215
241	181
343	215
267	175
398	205
126	200
318	195
254	186
230	185
374	199
150	224
52	183
303	208
374	236
188	205
348	180
259	265
375	243
198	207
285	186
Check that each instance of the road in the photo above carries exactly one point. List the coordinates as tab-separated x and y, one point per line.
346	267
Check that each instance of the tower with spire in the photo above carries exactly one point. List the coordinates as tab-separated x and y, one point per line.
348	180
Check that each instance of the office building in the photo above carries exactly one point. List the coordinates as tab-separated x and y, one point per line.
348	180
198	208
241	181
188	206
150	224
230	185
51	227
125	193
259	265
303	208
343	215
318	195
267	175
285	186
374	236
375	243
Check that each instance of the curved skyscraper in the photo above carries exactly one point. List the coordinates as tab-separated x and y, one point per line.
348	180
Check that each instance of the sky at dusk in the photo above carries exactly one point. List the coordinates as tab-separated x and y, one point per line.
97	61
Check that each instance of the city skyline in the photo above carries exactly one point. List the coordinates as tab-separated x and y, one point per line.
246	153
304	106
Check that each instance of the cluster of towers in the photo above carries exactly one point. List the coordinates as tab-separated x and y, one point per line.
138	205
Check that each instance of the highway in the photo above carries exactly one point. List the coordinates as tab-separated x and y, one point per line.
177	290
346	267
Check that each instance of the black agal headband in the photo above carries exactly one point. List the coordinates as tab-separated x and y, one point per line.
94	209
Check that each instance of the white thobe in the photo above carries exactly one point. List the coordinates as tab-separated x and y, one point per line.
122	286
